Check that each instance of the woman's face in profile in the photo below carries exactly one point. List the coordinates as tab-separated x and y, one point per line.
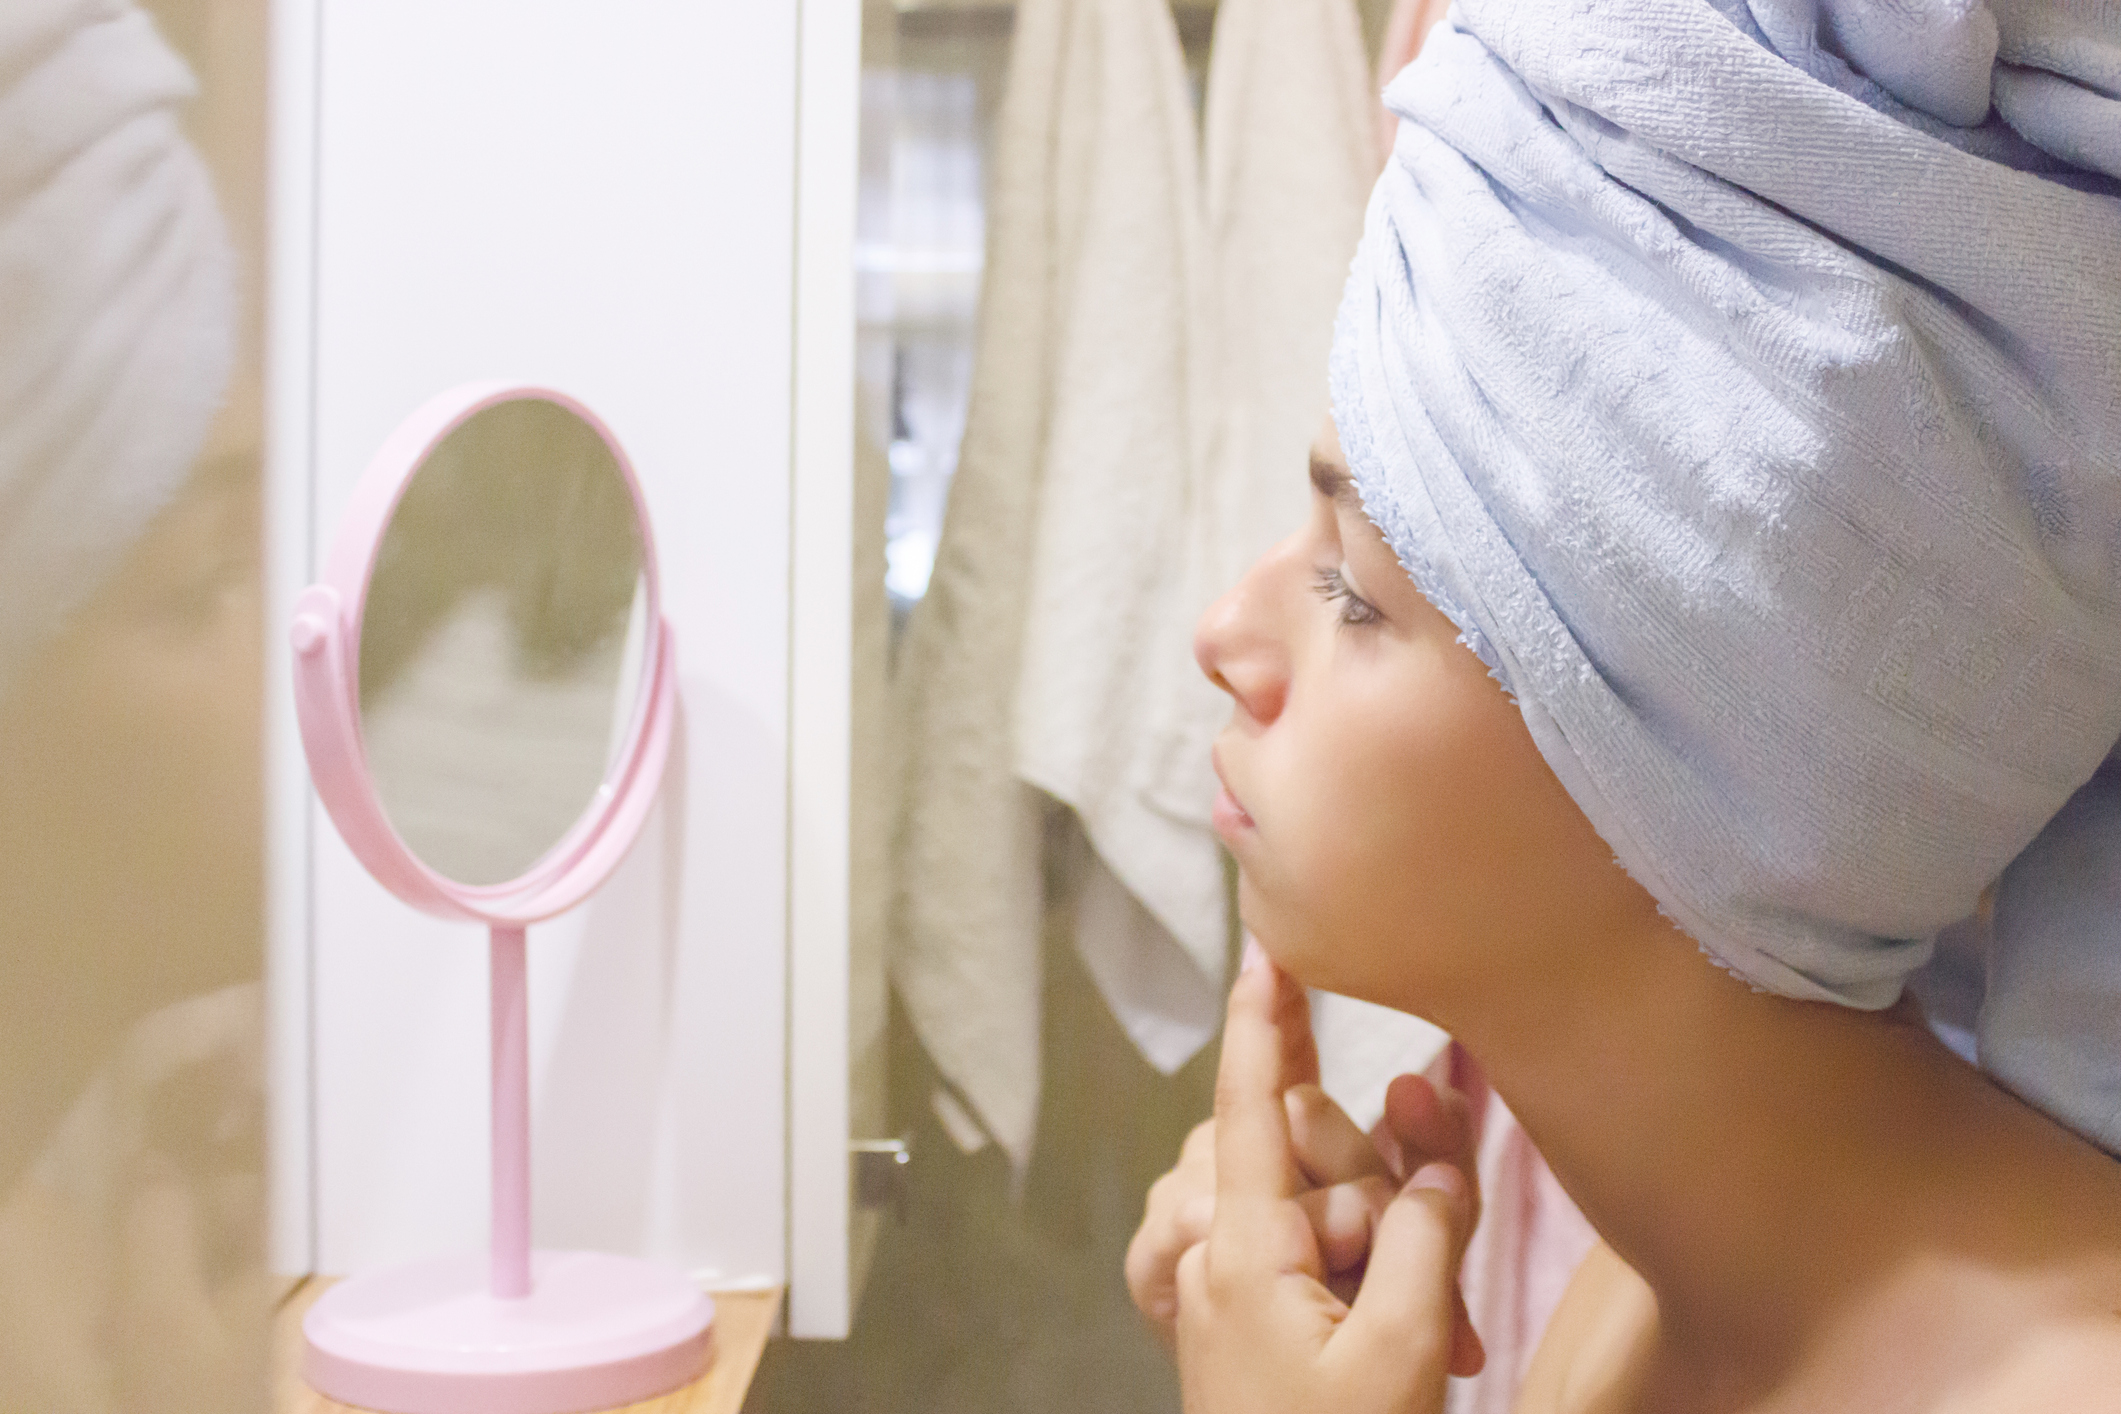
1397	833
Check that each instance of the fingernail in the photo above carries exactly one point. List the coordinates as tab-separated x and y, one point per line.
1254	954
1440	1178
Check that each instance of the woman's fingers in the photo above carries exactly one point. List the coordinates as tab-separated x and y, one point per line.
1351	1191
1282	1184
1469	1356
1258	1328
1344	1218
1257	1232
1329	1150
1174	1223
1253	1157
1432	1122
1299	1045
1329	1147
1408	1305
1424	1122
1254	1341
1180	1207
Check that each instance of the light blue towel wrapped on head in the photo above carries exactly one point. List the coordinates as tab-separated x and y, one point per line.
1744	380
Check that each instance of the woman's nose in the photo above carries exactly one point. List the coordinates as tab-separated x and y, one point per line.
1237	644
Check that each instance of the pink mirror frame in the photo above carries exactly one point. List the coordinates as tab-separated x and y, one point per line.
327	642
545	1332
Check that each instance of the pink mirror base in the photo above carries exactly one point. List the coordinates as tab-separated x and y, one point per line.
596	1332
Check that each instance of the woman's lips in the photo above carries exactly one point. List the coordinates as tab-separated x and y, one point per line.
1229	816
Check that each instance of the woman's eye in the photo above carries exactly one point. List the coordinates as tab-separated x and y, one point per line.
1355	611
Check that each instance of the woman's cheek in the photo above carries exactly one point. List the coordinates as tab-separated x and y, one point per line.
1280	897
1303	908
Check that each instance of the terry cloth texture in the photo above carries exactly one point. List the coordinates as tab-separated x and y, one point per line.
1406	27
117	301
1747	389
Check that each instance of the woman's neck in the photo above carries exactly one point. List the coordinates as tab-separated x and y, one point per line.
1760	1162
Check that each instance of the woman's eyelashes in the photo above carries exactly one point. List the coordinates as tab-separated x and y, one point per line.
1355	611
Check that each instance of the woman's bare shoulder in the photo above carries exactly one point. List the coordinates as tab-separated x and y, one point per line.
2074	1368
1596	1348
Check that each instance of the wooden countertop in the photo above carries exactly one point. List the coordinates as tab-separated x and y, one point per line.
742	1321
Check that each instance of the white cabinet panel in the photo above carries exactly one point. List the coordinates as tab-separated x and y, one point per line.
821	1296
600	197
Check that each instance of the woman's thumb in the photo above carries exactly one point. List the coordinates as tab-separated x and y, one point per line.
1409	1303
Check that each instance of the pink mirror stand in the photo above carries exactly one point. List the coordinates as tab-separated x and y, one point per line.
513	1331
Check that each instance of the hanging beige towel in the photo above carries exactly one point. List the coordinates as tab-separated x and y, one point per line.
1151	370
1092	282
1108	627
1362	1047
1288	168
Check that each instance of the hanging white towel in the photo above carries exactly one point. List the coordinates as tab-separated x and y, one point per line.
1361	1047
1108	622
1290	160
1079	425
1290	163
1288	166
1151	369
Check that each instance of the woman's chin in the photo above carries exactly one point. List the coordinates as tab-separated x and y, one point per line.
1310	956
1292	949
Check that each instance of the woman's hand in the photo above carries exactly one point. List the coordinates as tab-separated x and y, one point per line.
1350	1179
1258	1328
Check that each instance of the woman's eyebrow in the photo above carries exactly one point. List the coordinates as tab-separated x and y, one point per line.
1331	480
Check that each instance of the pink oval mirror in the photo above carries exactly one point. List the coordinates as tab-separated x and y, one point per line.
483	675
501	641
486	689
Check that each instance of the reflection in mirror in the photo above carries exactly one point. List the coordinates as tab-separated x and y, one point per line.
502	640
133	1272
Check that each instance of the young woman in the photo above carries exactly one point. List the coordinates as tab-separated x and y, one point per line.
1803	1206
1718	595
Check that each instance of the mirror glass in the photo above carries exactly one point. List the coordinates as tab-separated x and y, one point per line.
502	640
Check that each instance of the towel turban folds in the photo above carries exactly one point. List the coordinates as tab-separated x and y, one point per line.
1744	381
117	302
